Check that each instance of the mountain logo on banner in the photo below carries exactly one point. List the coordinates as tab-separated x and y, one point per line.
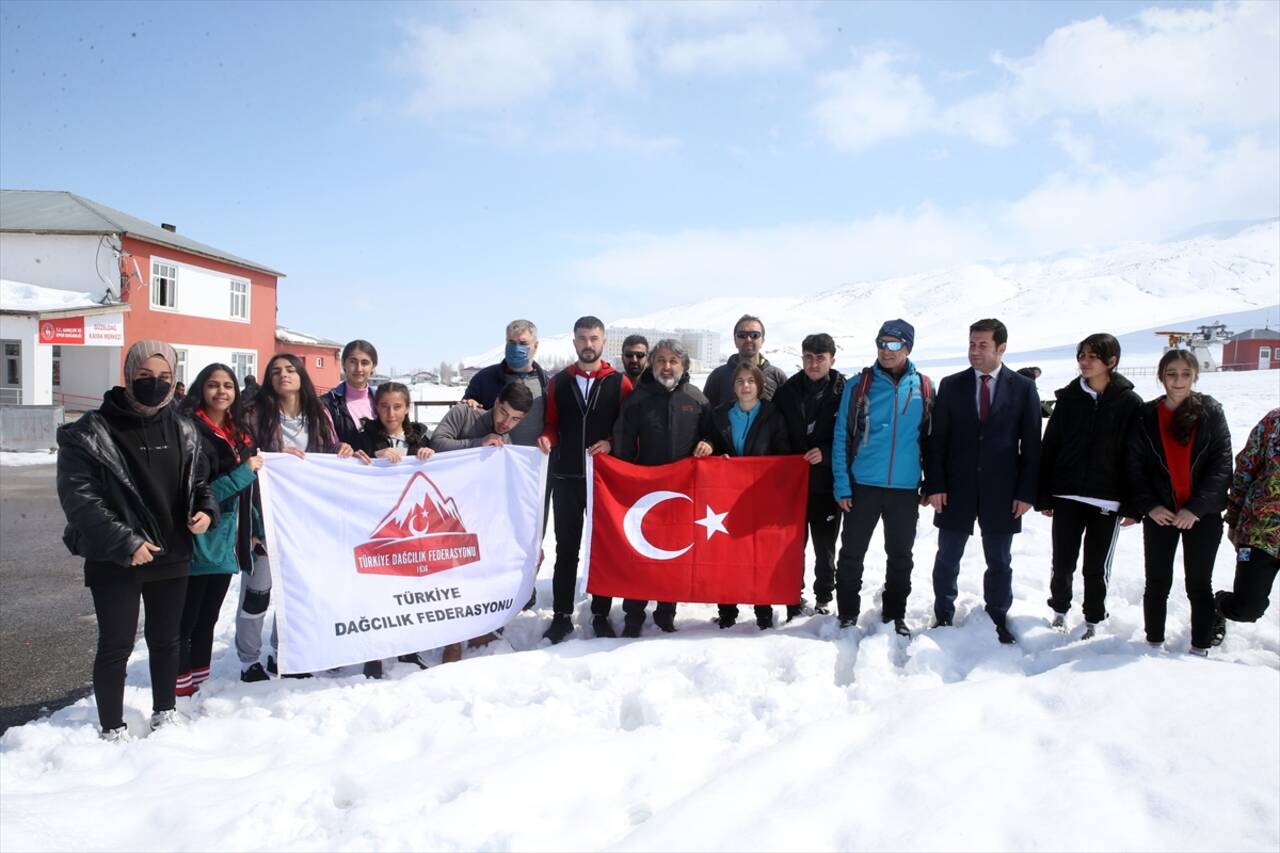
422	534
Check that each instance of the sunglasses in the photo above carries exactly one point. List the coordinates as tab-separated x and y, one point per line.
634	355
742	336
891	346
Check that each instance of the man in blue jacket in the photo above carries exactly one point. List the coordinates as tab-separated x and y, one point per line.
876	462
982	464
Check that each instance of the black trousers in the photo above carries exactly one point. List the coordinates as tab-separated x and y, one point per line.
569	499
822	525
1073	520
116	605
1255	573
199	616
900	509
1199	548
635	608
764	613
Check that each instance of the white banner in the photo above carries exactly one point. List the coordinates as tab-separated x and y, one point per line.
374	561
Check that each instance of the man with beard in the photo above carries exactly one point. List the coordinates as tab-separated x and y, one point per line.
748	336
635	356
809	402
583	402
659	425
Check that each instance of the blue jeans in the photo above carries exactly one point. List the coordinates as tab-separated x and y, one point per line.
997	581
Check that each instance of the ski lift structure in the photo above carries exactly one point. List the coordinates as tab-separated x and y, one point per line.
1205	342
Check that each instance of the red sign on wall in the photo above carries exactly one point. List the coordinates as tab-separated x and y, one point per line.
63	330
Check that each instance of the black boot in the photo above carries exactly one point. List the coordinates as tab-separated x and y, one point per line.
602	628
413	658
373	669
254	672
1219	620
632	626
665	621
561	627
1004	634
764	621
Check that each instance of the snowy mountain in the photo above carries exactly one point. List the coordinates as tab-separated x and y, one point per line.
422	508
1045	302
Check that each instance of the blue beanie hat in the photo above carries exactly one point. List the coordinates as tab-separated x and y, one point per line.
900	329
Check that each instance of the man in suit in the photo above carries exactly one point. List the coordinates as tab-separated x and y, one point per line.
981	464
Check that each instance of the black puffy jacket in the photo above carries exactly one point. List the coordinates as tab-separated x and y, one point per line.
106	518
1086	441
766	437
373	436
1148	471
657	426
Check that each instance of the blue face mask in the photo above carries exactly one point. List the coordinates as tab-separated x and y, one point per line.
517	356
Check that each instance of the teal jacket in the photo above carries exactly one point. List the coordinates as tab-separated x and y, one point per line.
881	427
215	551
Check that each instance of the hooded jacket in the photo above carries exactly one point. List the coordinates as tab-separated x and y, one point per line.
107	520
1085	442
657	426
573	422
1150	485
880	436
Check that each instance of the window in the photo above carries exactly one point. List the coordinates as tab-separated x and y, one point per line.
239	299
57	366
244	364
13	363
319	361
164	285
180	370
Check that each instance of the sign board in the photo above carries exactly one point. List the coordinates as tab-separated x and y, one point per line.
99	330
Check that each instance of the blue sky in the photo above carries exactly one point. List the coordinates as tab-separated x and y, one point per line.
425	172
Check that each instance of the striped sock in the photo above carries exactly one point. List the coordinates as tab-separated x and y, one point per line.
184	686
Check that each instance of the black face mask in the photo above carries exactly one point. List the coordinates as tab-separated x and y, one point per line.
149	391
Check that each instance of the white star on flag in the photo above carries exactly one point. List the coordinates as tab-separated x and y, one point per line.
714	522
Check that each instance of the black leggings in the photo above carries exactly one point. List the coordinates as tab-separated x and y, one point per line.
199	616
116	605
1199	549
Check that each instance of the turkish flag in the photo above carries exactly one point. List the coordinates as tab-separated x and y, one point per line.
713	529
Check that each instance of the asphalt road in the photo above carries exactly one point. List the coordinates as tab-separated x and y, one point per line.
48	632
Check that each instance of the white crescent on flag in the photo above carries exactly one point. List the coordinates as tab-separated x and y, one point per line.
633	521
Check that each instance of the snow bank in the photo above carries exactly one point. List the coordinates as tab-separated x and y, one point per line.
23	458
17	296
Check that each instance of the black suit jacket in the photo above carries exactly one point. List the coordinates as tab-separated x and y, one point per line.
983	468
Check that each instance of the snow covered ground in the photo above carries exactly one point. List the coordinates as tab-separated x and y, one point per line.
804	737
23	458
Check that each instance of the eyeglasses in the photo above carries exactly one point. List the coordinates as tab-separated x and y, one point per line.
891	346
634	354
742	336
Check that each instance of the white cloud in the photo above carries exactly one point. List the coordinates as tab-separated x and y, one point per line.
1164	72
1193	185
872	101
750	49
507	53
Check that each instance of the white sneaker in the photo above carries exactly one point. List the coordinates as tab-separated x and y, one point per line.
1199	652
1090	629
117	735
171	717
1059	622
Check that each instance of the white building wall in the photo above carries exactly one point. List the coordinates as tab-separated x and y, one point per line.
81	263
35	364
204	292
198	357
87	373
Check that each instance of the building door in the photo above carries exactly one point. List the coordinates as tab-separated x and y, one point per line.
1264	358
11	373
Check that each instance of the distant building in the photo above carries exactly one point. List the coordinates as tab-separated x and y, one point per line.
124	280
703	346
1256	349
320	355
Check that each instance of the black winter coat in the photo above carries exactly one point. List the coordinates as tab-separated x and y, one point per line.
106	519
657	426
718	389
766	437
804	434
1148	471
1085	443
373	436
344	425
